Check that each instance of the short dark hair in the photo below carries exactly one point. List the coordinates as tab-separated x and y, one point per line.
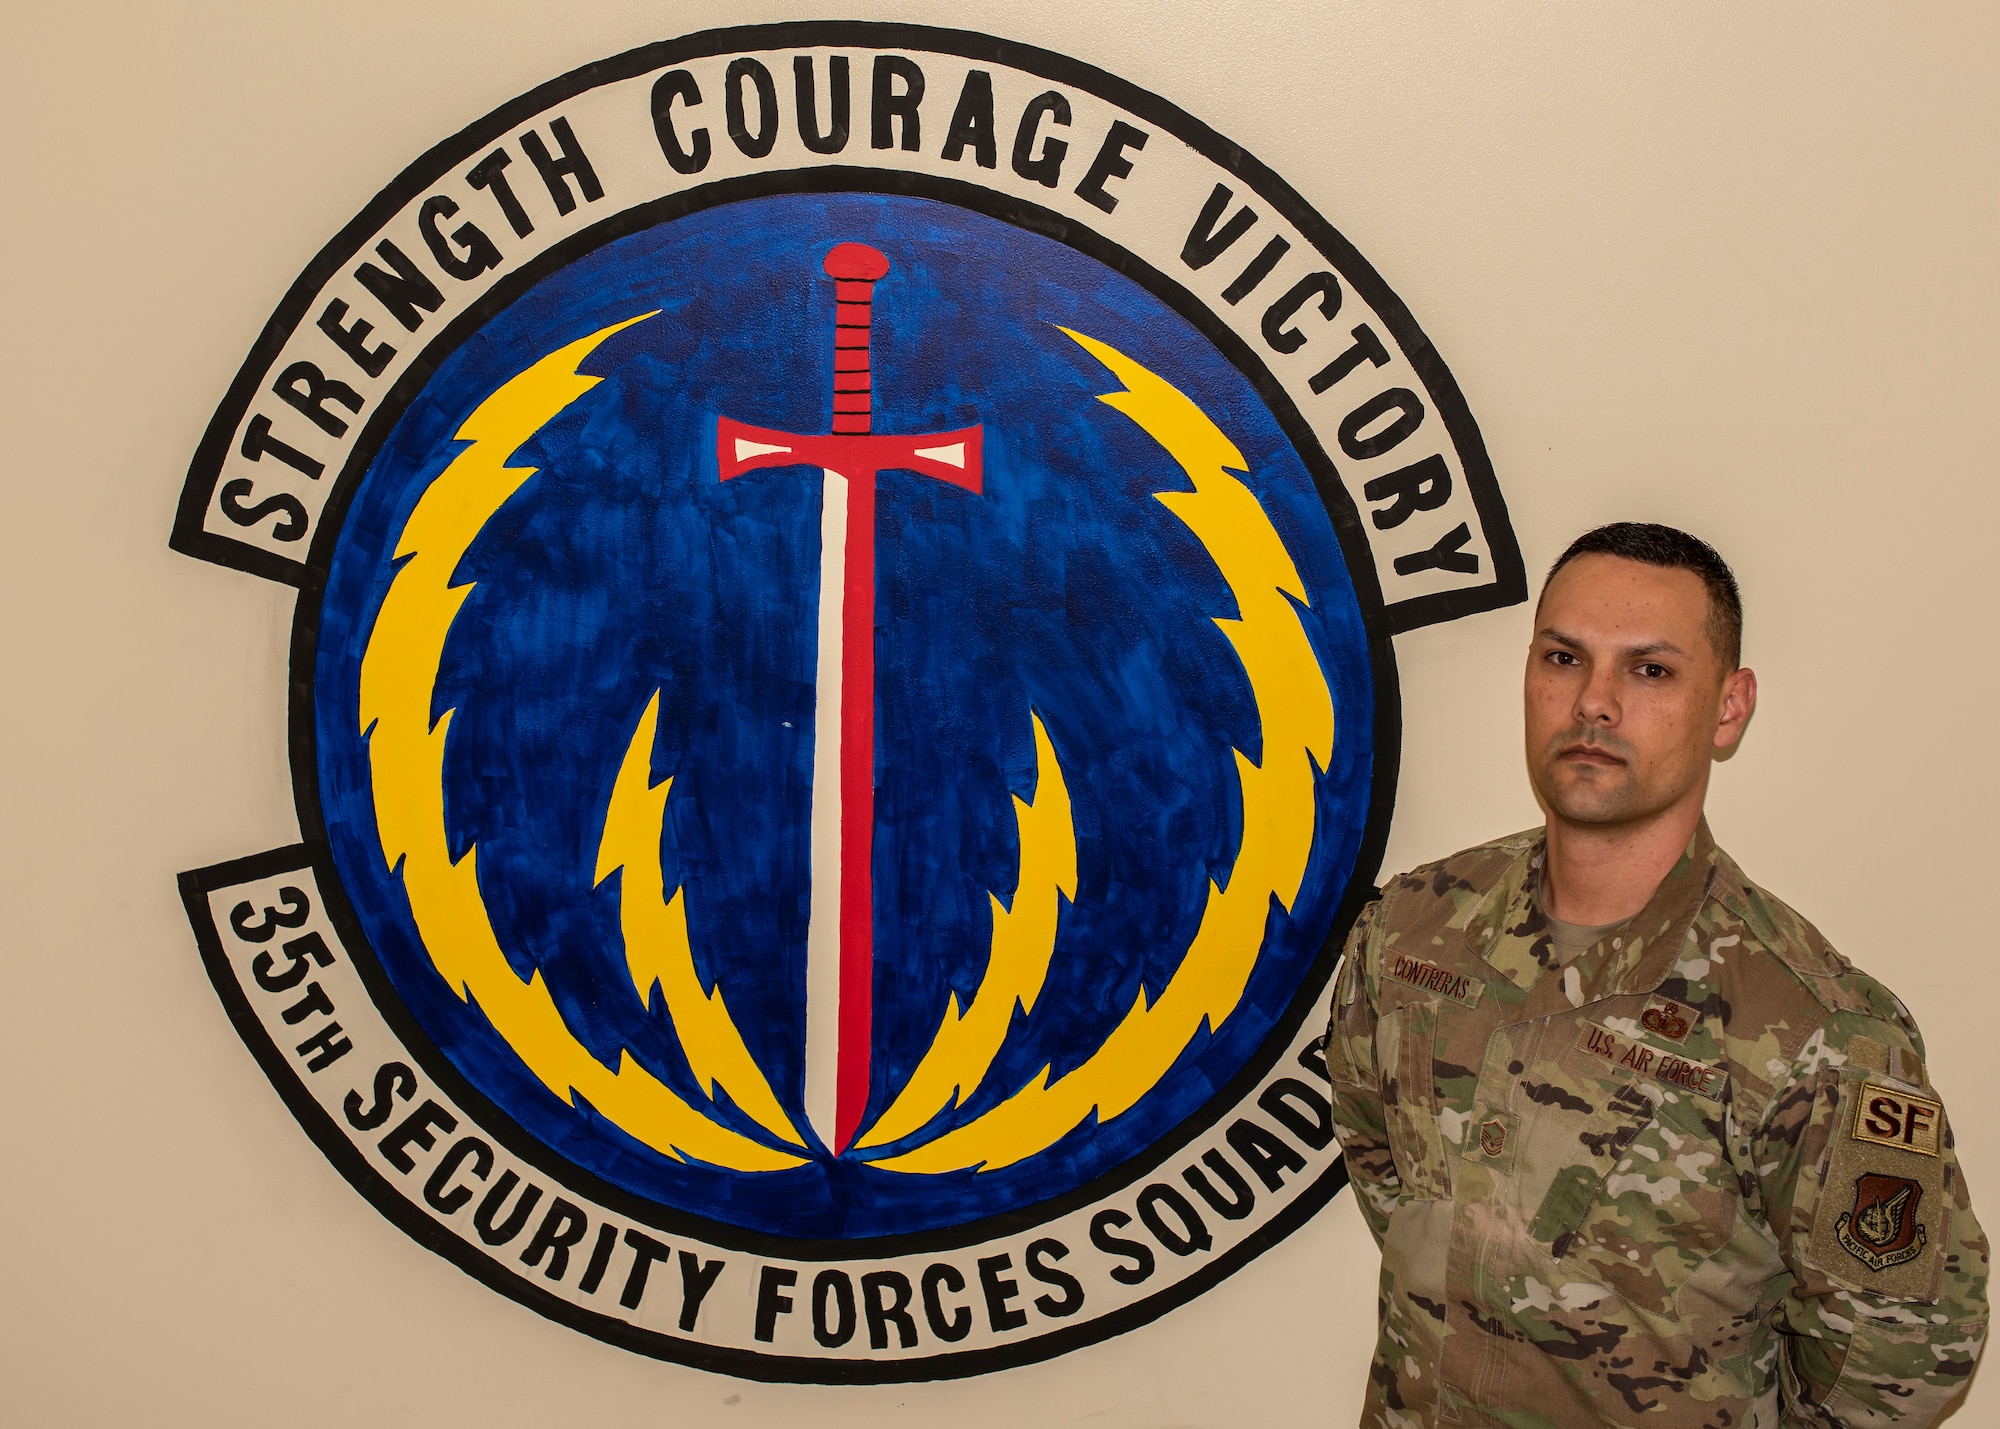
1676	550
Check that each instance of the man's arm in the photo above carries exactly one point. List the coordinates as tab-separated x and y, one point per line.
1886	1311
1358	1117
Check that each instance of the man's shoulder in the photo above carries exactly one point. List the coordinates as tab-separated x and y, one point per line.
1476	870
1780	968
1452	892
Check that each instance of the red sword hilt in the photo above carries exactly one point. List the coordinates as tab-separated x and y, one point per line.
851	447
854	268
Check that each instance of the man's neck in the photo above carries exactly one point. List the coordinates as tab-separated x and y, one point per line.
1599	874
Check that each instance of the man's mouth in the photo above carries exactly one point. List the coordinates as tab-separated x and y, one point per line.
1590	754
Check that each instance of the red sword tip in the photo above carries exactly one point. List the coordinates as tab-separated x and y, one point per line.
856	262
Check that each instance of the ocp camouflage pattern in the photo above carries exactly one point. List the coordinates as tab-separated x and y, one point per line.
1631	1190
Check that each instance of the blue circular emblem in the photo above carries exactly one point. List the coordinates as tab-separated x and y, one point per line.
1089	857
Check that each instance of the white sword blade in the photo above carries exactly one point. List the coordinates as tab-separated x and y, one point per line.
823	919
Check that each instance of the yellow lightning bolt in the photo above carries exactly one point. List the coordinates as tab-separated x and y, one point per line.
656	938
406	761
1295	709
1024	939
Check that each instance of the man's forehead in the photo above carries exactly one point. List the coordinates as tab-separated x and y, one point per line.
1604	596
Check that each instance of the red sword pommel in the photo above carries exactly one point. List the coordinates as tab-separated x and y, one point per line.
839	1008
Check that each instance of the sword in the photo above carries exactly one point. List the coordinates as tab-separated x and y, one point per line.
840	948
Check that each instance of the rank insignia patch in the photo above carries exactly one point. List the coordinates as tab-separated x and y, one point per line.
1490	1138
842	695
1882	1230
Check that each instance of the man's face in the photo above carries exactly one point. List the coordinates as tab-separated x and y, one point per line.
1627	699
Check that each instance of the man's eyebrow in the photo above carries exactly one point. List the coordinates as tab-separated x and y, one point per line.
1630	652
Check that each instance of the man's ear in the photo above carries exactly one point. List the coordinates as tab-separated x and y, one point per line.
1733	710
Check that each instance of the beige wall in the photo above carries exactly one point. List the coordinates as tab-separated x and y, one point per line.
1730	268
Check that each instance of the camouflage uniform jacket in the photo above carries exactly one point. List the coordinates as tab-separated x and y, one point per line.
1697	1177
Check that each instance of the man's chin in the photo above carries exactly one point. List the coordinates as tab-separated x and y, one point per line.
1592	806
1593	816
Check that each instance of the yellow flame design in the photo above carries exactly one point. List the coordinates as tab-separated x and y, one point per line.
656	938
1295	709
406	760
1024	939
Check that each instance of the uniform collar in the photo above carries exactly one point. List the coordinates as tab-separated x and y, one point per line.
1508	929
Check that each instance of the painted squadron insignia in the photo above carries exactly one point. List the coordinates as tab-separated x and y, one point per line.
839	697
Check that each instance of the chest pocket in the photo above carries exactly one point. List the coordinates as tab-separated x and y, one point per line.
1644	1196
1583	1124
1405	1051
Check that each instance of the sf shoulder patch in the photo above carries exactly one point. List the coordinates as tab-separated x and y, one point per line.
842	695
1885	1206
1889	1117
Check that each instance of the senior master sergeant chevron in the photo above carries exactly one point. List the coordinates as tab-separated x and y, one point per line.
1638	1145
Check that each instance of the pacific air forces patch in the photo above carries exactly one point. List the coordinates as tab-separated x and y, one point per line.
841	695
1883	1230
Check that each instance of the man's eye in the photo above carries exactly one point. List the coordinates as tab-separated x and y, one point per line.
1651	671
1561	657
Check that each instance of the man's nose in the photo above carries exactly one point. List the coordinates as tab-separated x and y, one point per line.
1597	701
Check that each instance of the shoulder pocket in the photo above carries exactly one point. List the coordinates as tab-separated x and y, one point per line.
1883	1215
1405	1047
1894	1371
1347	1022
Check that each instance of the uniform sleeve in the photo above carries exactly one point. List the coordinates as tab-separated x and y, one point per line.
1358	1116
1854	1161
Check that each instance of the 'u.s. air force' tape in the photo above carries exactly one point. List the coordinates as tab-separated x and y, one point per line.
1636	1058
